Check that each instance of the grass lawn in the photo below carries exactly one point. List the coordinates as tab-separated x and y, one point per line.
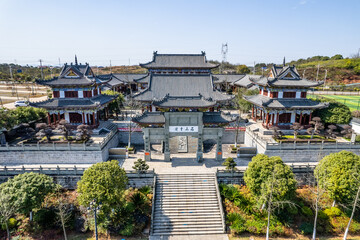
353	102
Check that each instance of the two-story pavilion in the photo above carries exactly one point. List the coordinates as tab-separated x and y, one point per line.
180	99
76	96
282	98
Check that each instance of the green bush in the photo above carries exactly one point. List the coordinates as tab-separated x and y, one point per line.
12	223
333	212
292	210
128	230
306	228
322	215
307	211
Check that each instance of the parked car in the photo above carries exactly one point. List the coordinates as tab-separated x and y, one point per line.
21	103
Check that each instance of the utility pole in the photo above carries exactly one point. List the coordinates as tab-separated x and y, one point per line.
325	78
317	73
41	68
11	74
224	51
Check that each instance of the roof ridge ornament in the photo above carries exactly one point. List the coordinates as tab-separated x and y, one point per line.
76	62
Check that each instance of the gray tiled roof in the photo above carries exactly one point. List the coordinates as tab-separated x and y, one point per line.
246	81
129	77
186	61
85	77
150	118
279	78
74	103
144	79
285	103
158	118
217	117
188	87
191	102
264	81
228	78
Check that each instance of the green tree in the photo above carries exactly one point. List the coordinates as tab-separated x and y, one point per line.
115	105
7	209
230	164
28	190
242	69
259	178
336	171
337	57
335	113
105	182
140	166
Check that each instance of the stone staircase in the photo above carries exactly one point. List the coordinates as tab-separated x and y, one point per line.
187	204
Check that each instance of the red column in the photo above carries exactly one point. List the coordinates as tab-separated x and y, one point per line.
272	118
59	116
54	117
252	114
277	118
93	115
83	117
255	114
261	114
267	119
87	119
300	121
310	117
49	119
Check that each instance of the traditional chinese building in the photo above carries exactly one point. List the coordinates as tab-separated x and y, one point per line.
282	98
181	104
76	96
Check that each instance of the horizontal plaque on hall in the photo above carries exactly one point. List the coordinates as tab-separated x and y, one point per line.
183	128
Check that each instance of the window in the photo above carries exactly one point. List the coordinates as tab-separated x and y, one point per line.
289	94
303	94
274	94
87	94
56	94
265	93
95	92
71	94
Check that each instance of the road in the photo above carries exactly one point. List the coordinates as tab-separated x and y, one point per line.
38	99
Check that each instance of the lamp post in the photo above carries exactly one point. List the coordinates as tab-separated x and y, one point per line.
94	206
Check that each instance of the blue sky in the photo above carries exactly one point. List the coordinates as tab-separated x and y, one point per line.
100	31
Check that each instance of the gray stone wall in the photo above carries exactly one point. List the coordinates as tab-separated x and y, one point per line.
229	137
137	138
50	157
70	182
301	155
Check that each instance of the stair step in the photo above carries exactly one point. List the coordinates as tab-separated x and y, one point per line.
180	225
187	219
159	233
187	205
189	228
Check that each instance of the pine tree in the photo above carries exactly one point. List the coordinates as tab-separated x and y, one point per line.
141	166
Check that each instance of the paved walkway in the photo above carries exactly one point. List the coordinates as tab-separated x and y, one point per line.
191	237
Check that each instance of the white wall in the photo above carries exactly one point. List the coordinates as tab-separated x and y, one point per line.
67	117
293	115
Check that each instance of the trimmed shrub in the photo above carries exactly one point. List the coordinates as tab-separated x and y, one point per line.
333	212
307	211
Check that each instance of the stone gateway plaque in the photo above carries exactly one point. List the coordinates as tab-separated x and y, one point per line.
182	144
184	129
